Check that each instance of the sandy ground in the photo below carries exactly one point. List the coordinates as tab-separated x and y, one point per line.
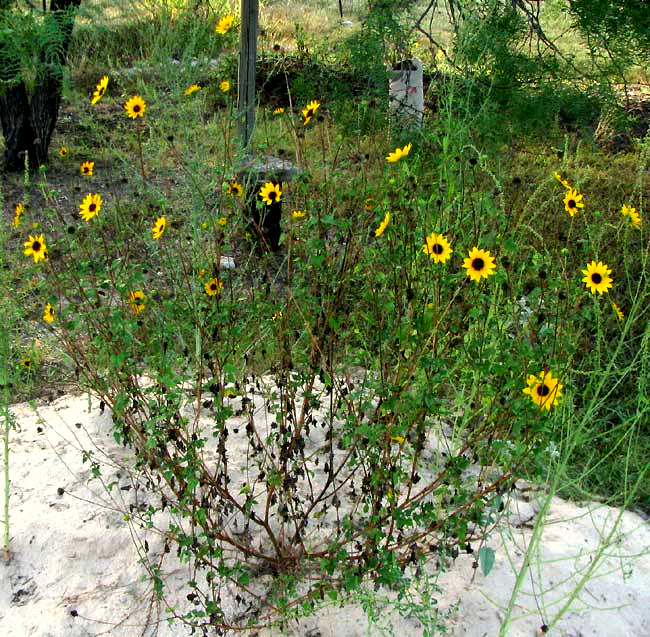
76	568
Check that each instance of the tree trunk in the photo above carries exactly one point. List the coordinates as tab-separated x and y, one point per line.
28	124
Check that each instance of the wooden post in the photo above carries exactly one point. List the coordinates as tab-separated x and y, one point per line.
247	57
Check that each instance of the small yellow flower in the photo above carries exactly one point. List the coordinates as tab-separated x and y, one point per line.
192	89
224	86
90	206
87	168
224	24
564	182
36	247
100	90
618	312
310	111
279	110
625	210
597	277
270	193
543	391
135	107
635	219
158	228
398	439
383	225
26	363
235	189
20	210
222	221
297	214
63	151
398	153
479	264
437	247
213	287
573	201
136	300
277	315
48	313
369	204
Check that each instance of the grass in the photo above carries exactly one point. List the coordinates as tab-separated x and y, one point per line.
341	293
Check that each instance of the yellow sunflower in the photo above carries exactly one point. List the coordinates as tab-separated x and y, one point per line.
213	287
297	214
63	151
48	313
90	206
619	313
100	89
223	26
383	225
369	204
136	301
437	247
310	110
18	213
192	89
87	168
36	247
279	110
597	277
159	227
26	363
479	264
635	219
222	221
270	193
573	201
135	107
224	86
235	189
543	390
398	153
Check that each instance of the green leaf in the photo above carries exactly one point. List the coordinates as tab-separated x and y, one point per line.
486	559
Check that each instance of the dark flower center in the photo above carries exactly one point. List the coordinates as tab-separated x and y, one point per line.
543	390
571	203
136	108
36	246
27	363
272	195
478	264
596	278
86	169
437	248
92	207
101	90
213	286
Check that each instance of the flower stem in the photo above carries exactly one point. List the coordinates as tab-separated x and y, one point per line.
142	172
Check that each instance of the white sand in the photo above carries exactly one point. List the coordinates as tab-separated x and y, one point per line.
74	552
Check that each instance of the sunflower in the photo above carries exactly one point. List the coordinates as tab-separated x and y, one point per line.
625	210
398	153
479	264
270	193
20	210
297	214
224	24
135	107
619	313
279	110
222	221
63	151
159	227
213	287
136	300
192	89
36	247
90	206
573	201
543	391
597	277
224	86
48	313
564	182
635	219
100	89
383	225
26	363
437	247
235	189
310	111
369	204
87	168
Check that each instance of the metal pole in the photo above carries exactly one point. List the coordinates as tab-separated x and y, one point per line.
247	57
